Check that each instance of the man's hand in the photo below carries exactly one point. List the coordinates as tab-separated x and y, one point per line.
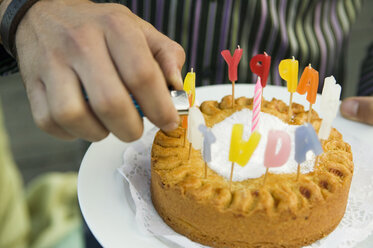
358	109
64	45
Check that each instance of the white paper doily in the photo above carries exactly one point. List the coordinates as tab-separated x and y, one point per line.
356	225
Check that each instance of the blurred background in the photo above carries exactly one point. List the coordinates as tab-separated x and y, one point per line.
34	151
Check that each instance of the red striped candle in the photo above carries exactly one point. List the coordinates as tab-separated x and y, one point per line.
256	105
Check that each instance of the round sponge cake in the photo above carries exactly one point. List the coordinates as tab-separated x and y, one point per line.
284	212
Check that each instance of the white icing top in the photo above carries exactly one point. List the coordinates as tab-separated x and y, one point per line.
254	168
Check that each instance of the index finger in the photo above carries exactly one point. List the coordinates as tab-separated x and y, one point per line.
142	76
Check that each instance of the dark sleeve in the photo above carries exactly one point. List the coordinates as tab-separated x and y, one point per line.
8	65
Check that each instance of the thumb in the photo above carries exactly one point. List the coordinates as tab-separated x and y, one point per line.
169	55
358	109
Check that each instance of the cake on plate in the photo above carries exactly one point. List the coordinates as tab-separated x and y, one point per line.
283	212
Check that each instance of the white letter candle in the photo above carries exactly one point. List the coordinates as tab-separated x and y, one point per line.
329	105
195	119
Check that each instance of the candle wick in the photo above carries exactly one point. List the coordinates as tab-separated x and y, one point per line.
265	54
293	58
191	70
309	65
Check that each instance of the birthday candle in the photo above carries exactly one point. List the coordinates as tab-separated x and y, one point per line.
240	151
232	62
288	69
306	140
256	105
273	158
208	140
329	105
259	65
190	89
232	66
184	122
190	86
309	82
195	119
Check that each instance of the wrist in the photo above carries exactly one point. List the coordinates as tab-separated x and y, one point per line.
14	12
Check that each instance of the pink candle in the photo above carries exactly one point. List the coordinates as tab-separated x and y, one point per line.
256	105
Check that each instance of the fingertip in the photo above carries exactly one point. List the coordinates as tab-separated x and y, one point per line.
170	126
349	108
358	109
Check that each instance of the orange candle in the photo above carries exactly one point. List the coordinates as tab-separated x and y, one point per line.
309	82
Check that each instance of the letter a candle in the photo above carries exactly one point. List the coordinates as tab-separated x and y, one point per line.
305	140
190	89
309	82
273	158
240	151
232	66
288	69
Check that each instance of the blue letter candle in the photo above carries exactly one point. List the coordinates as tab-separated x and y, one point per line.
305	140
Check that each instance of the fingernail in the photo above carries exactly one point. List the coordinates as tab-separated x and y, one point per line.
170	126
349	108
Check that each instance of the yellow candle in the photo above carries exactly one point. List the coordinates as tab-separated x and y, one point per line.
288	69
240	151
190	86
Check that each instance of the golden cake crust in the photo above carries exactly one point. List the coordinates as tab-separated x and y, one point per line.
282	213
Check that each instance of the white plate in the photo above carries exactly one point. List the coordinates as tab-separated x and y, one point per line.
103	192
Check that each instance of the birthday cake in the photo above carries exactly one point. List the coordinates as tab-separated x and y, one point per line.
279	208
